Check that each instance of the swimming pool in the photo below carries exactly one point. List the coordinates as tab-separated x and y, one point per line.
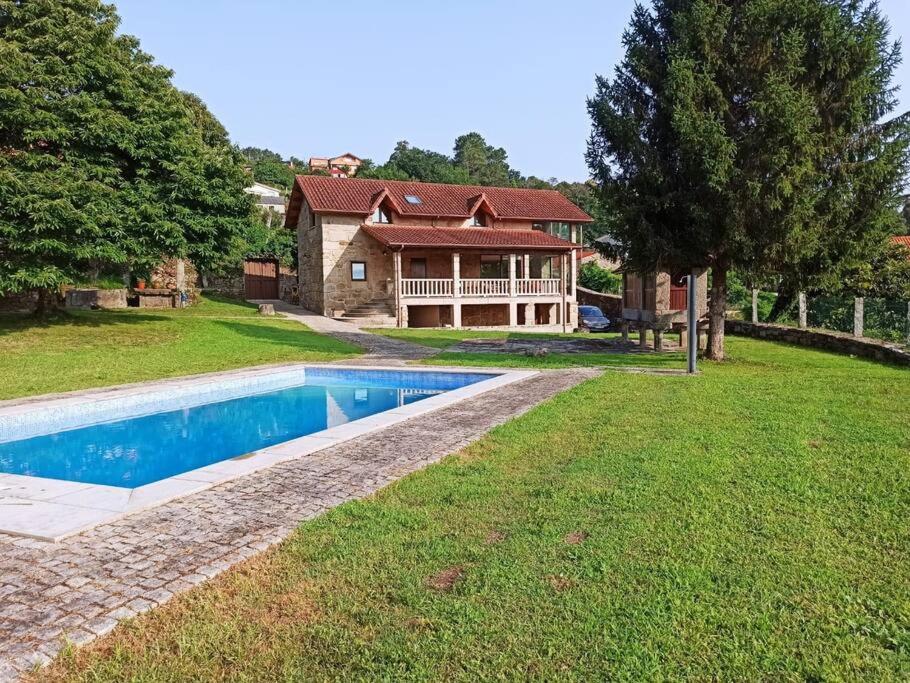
210	425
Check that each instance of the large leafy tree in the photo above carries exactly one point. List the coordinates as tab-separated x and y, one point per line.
103	163
749	134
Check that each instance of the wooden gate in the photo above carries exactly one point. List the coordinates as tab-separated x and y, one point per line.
260	278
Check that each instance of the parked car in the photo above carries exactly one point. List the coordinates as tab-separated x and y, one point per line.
592	319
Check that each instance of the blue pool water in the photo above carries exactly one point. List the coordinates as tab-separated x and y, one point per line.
140	450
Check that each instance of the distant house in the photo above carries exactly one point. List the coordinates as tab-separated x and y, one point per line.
344	166
903	240
433	255
267	197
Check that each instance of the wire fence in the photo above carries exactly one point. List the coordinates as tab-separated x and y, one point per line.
885	319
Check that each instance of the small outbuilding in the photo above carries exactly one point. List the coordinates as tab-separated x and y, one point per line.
657	301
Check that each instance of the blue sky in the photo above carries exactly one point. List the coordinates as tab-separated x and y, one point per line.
320	78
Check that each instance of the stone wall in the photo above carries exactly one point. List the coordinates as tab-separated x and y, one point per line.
96	298
830	341
21	302
168	275
610	304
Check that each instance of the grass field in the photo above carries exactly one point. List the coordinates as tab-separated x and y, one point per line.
443	339
82	349
747	523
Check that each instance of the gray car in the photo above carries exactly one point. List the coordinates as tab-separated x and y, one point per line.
592	319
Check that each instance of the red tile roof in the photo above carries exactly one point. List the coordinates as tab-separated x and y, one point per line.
357	195
464	238
902	239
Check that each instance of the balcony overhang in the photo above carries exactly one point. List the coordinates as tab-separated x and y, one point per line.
404	236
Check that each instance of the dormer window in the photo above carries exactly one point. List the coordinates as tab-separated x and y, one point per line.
380	215
479	220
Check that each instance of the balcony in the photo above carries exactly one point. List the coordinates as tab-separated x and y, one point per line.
445	288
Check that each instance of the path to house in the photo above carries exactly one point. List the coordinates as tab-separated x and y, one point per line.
380	350
81	587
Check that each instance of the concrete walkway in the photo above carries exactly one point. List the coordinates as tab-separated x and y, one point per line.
80	588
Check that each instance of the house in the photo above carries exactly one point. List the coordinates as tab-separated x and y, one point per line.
904	241
267	197
429	255
342	166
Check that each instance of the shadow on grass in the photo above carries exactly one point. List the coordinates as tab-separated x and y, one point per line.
22	322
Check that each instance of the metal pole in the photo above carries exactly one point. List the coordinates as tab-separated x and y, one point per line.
692	310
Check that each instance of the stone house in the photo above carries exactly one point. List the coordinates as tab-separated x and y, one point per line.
343	166
426	255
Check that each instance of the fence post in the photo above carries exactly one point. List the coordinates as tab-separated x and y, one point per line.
754	305
802	311
858	309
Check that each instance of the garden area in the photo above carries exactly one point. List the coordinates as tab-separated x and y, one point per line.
746	523
82	349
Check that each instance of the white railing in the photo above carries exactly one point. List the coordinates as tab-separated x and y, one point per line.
478	287
484	286
425	286
537	286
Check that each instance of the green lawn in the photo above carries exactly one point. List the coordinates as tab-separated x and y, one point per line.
84	349
442	339
747	523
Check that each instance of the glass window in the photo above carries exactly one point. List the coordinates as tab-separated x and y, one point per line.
358	270
494	265
418	267
412	199
380	215
479	219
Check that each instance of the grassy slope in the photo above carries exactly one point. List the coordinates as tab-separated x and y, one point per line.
442	339
99	348
750	522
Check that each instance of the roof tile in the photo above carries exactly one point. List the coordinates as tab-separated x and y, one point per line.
356	195
466	238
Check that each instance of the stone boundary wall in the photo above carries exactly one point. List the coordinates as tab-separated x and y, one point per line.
818	339
21	302
610	304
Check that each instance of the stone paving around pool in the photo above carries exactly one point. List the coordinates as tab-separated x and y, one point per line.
80	588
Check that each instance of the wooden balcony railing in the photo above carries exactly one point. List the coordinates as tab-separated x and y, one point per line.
541	286
477	287
428	287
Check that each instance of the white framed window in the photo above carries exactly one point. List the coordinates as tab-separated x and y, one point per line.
380	215
358	271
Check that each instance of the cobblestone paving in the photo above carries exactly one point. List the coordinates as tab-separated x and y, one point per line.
80	588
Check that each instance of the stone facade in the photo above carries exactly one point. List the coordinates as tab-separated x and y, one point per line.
18	302
175	274
326	247
818	339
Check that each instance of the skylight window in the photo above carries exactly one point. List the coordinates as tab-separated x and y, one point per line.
412	199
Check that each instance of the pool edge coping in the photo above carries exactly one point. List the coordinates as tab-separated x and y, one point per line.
57	496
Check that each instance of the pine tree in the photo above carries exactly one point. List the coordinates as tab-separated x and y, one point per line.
749	134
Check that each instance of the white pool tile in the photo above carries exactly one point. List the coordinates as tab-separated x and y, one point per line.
45	519
37	488
111	498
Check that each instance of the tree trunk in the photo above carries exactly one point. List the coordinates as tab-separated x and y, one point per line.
717	312
47	302
782	303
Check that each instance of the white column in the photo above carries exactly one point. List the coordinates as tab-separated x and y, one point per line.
574	274
512	271
562	287
456	315
526	268
529	314
396	261
456	275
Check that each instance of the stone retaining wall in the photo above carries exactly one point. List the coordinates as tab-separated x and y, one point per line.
819	339
610	304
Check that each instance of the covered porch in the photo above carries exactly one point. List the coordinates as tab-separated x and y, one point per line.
497	278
